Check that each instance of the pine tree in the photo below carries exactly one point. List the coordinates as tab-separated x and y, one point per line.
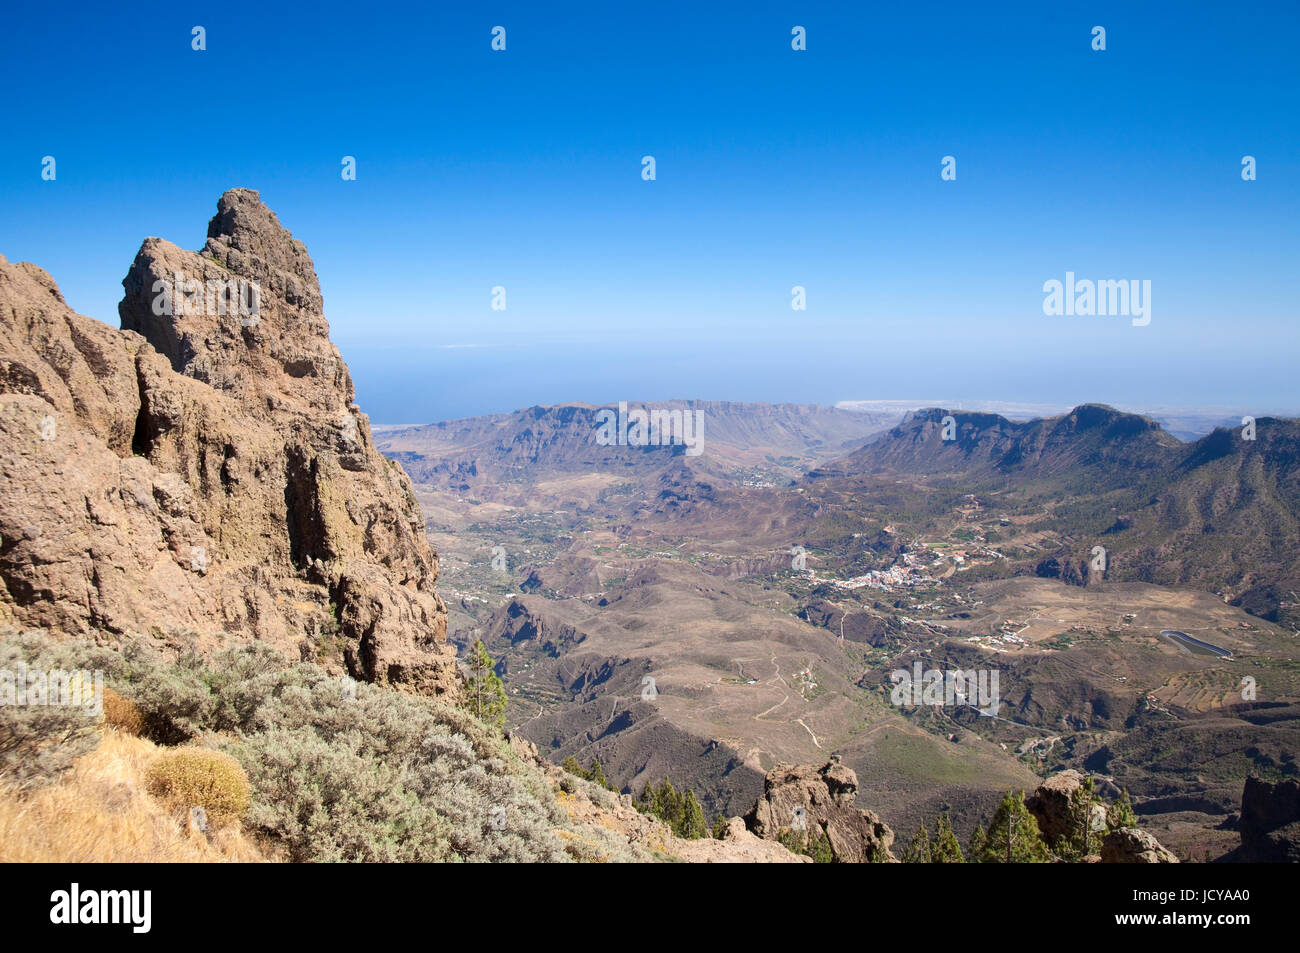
667	804
918	852
946	849
1121	813
485	694
674	807
597	774
680	810
720	827
1080	839
978	842
653	799
1013	836
692	827
571	765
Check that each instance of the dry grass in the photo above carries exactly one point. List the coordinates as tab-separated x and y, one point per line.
101	812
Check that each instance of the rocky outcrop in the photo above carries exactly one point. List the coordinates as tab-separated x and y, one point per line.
516	623
1128	845
821	801
1270	822
203	474
1050	804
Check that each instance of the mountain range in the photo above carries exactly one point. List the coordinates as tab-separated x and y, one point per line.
198	495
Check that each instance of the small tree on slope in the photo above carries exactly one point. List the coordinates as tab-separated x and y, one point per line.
1013	836
485	694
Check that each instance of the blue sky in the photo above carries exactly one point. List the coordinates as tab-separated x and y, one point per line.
775	168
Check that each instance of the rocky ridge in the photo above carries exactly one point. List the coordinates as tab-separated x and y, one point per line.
203	474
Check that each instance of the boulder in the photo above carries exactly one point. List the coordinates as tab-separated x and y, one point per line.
821	801
1050	803
1128	845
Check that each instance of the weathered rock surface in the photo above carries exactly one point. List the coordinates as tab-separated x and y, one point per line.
821	801
204	475
1128	845
1050	804
1270	822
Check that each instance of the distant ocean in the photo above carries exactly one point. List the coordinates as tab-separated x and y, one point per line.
425	383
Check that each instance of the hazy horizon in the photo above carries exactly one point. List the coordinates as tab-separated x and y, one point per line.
414	387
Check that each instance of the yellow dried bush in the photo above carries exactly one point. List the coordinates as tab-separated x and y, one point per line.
185	778
122	713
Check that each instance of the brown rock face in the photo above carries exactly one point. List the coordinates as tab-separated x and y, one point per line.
203	474
1270	821
821	800
1050	804
1128	845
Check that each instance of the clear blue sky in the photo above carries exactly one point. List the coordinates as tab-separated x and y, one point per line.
775	168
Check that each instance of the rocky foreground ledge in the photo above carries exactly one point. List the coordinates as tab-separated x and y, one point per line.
202	475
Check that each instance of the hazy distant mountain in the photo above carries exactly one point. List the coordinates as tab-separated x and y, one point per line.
1185	423
1091	441
539	443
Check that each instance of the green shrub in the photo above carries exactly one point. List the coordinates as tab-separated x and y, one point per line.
377	774
39	742
382	776
817	846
